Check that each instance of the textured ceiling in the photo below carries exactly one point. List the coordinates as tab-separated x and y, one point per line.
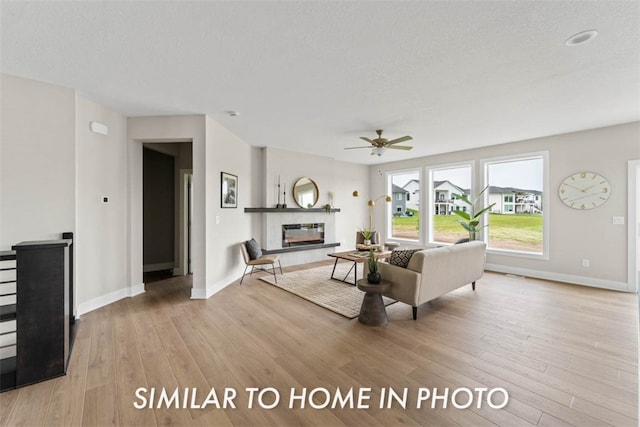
314	76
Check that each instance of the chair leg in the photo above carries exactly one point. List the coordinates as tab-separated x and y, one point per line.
280	265
244	273
473	286
273	268
415	313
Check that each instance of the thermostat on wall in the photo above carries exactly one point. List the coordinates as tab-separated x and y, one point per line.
105	199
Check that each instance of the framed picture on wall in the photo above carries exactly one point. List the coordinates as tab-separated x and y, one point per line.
228	190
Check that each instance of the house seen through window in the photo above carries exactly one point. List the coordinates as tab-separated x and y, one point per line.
516	186
405	221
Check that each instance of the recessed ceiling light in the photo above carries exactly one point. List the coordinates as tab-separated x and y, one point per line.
581	37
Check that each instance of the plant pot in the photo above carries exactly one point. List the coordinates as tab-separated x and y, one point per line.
374	278
367	242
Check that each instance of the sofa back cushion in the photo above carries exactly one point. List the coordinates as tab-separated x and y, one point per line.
449	267
402	257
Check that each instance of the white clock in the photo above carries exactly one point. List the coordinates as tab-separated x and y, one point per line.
584	190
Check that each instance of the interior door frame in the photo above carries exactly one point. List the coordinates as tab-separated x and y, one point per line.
633	225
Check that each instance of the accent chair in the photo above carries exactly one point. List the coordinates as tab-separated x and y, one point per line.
259	263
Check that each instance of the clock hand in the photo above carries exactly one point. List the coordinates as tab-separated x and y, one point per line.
582	197
569	185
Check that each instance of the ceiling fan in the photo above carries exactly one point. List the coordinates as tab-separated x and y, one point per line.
380	144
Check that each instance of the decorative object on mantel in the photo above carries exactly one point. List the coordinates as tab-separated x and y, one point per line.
305	193
328	206
372	203
228	190
284	197
374	275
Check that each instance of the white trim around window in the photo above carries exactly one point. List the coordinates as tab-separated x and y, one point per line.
428	204
544	156
388	210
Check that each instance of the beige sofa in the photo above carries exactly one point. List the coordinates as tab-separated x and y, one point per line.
434	272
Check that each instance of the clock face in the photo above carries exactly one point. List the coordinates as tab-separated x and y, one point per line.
584	190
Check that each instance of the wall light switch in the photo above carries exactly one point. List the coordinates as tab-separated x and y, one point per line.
617	220
217	219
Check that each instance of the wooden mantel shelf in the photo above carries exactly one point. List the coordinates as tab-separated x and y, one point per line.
270	210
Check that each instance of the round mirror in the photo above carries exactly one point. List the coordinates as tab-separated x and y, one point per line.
305	193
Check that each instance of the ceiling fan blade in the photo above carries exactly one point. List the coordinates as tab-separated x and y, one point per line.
399	147
366	139
401	139
353	148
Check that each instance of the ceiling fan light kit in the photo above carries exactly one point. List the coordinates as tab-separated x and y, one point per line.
379	145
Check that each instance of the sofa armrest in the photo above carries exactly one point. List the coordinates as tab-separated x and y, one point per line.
405	283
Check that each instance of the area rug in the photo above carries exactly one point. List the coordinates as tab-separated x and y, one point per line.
316	285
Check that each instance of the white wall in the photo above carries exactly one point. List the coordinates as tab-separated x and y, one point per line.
101	229
333	176
37	163
226	227
574	234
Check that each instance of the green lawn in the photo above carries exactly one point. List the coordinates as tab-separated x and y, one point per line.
518	232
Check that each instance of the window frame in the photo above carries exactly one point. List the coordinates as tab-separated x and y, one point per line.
546	217
429	190
388	225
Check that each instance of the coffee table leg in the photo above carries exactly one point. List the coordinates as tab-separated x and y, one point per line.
344	279
372	311
334	268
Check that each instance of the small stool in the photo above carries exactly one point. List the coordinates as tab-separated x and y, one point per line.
372	311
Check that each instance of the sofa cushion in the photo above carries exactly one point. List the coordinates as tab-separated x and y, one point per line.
401	258
253	248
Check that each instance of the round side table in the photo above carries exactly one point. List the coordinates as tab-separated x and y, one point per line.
372	311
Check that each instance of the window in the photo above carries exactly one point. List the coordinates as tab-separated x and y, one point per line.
445	182
405	218
517	187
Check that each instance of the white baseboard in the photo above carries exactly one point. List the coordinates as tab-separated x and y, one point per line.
200	293
560	277
136	290
110	298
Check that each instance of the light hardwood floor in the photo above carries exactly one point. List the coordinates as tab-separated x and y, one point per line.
567	355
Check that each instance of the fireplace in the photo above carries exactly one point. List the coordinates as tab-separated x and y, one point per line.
302	234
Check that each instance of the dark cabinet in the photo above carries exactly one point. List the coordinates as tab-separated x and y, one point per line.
43	311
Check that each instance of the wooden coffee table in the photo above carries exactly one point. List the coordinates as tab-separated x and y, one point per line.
372	311
355	257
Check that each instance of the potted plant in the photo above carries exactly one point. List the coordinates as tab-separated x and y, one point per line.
471	218
374	274
367	235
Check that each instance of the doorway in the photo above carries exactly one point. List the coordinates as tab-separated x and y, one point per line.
167	209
